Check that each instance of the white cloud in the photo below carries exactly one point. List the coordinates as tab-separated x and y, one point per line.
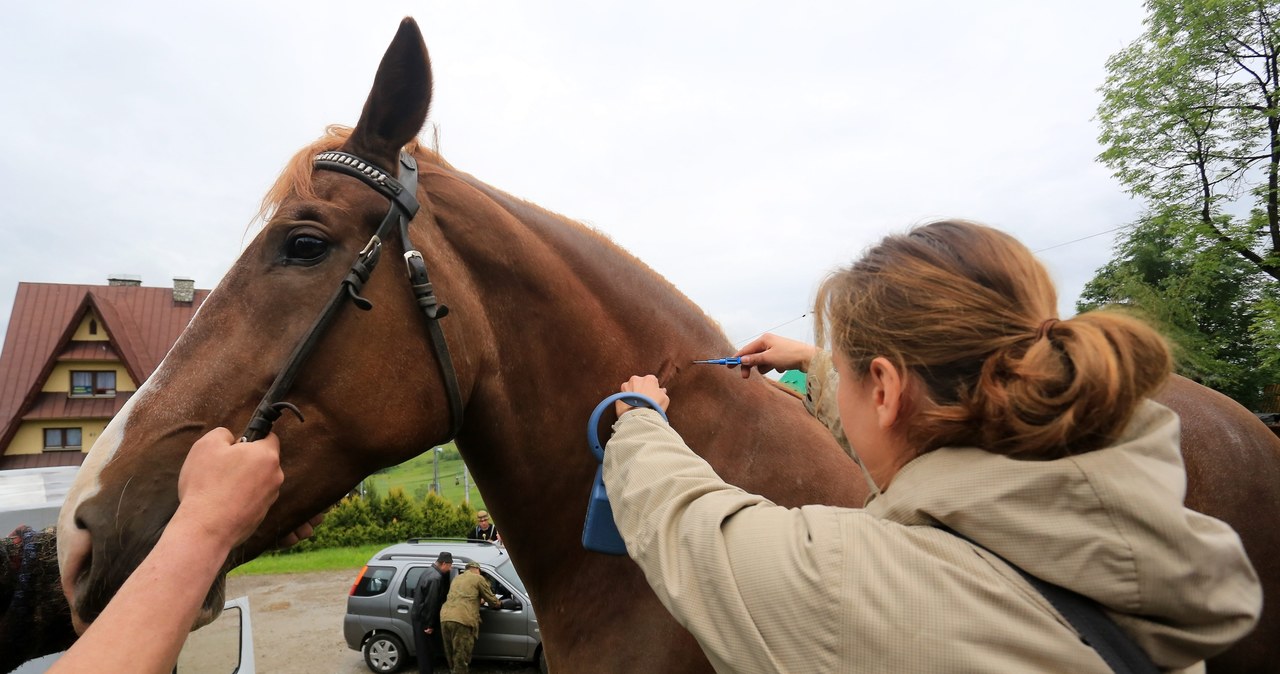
740	148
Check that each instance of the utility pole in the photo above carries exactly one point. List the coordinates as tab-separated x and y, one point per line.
466	485
435	467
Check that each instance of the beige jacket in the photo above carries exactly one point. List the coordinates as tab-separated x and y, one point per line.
821	589
463	604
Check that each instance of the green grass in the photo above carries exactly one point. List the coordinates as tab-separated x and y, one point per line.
328	559
415	476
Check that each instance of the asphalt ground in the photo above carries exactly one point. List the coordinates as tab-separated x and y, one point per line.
297	627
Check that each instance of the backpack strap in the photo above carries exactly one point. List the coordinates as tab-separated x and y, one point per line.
1096	628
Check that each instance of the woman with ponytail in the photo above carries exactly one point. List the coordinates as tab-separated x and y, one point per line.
1010	450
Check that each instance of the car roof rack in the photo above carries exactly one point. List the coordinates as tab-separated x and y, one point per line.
452	540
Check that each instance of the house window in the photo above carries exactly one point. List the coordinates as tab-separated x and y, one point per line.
90	383
93	327
62	438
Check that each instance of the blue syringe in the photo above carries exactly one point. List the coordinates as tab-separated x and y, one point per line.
731	360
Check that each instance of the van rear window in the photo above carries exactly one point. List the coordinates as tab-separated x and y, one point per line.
375	581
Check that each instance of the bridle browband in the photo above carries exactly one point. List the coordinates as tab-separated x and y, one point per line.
404	205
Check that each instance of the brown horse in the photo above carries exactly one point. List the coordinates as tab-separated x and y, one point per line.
546	318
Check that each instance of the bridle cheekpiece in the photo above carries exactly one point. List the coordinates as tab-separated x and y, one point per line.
404	206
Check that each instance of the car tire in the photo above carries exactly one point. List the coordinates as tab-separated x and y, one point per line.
384	653
542	660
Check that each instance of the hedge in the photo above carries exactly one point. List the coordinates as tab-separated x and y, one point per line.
393	518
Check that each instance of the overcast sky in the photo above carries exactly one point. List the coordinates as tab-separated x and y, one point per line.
741	149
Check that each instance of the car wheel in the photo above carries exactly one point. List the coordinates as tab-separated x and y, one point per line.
542	661
384	653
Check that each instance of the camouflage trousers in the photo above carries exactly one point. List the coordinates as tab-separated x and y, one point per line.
459	640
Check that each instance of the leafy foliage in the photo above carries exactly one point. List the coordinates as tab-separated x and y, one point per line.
388	519
1219	312
1190	120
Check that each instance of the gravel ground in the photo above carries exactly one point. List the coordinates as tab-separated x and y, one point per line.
297	627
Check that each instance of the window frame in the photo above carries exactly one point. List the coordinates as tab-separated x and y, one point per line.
97	388
62	433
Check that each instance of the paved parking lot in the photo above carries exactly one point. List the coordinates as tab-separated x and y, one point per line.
297	627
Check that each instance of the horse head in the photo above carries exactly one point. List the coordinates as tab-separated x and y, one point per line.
243	336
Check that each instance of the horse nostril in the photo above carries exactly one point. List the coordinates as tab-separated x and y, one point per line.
80	524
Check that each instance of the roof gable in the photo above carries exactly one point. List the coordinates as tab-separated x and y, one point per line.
141	323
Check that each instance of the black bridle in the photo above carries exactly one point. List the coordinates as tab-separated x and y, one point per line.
404	205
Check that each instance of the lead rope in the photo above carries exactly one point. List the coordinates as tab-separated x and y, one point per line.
404	206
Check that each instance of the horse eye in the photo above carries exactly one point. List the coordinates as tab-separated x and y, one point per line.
305	247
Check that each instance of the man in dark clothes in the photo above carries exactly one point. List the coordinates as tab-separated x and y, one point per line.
428	595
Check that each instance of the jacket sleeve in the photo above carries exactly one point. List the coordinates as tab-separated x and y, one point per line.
486	593
416	610
749	579
431	603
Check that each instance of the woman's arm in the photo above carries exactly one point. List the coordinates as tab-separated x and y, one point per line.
730	566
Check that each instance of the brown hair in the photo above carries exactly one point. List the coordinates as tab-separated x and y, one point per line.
971	312
296	178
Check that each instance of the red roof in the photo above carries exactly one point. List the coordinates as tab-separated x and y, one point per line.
42	460
141	323
89	351
62	406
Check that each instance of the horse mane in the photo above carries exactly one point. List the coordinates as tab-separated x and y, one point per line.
296	180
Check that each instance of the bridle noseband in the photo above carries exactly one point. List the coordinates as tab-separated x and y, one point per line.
404	205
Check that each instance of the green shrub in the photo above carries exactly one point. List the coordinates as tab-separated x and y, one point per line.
376	519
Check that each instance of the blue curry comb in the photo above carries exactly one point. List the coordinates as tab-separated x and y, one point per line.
599	533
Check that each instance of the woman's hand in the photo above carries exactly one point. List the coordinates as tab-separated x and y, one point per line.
647	385
226	487
771	352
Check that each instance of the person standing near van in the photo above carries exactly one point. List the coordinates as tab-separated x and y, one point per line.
428	595
460	616
485	529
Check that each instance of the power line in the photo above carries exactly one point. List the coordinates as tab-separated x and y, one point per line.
780	325
1036	252
1083	238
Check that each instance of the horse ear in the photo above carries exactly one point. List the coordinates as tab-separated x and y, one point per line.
398	103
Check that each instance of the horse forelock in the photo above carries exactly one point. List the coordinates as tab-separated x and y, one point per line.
297	180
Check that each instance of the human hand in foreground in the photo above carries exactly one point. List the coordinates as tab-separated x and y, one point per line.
771	352
304	531
226	487
647	385
224	491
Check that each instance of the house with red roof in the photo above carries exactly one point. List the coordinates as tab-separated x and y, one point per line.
74	354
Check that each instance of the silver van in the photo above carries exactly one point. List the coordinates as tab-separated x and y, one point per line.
377	620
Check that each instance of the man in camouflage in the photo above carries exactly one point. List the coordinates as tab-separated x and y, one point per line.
460	616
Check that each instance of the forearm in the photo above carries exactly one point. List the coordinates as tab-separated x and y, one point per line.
717	557
165	593
655	481
663	496
730	566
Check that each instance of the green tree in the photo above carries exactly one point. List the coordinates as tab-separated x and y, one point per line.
1190	118
1219	311
400	518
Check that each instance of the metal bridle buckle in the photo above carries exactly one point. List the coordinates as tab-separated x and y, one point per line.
409	257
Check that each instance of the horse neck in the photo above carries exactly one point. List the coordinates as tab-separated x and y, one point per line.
563	302
564	316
